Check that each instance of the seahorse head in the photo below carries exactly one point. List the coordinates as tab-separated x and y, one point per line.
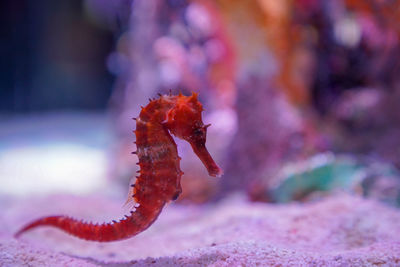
185	121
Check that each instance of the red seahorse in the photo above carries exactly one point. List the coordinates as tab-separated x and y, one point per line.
160	174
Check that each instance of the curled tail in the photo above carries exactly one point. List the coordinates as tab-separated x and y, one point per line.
129	226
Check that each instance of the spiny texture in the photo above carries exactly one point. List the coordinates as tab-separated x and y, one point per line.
160	174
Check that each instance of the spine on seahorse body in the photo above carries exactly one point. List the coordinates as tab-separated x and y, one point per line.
160	174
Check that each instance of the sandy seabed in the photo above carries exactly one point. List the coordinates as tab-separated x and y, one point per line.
340	230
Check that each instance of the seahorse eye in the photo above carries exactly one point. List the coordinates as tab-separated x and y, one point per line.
198	132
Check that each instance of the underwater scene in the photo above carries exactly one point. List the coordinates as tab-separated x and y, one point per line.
200	133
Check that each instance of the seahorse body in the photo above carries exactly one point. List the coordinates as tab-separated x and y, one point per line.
159	176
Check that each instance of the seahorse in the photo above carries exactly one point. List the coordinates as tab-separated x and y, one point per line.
159	176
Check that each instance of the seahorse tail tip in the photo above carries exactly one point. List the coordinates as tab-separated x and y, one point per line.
51	220
23	230
26	228
18	234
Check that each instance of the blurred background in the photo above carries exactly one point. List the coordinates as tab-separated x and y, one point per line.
303	96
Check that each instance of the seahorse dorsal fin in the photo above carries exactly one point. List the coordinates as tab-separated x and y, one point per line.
130	201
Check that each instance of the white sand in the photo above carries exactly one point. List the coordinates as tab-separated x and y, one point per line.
339	231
